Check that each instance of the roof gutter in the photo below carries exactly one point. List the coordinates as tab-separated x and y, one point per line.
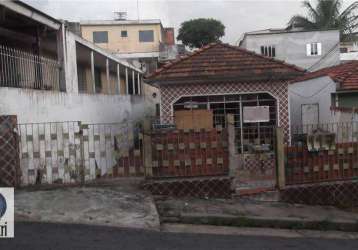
32	13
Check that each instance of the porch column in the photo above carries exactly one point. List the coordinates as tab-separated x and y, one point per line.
133	82
127	83
139	84
61	60
92	73
118	79
107	75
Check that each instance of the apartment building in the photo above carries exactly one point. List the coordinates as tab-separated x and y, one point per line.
145	43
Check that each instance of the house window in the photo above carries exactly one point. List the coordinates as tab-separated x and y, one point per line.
124	33
343	50
314	49
100	37
269	51
97	80
146	36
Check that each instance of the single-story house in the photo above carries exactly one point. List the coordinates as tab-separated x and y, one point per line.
199	90
329	95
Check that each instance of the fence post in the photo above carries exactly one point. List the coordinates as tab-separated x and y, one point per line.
147	147
280	157
233	156
82	166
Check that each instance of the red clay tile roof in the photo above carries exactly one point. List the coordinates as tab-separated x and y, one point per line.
345	74
220	62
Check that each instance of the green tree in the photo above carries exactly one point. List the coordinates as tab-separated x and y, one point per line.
199	32
327	14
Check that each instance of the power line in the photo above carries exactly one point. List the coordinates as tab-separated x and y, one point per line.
323	58
138	10
314	94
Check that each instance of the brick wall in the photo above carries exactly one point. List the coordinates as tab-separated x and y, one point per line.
339	163
187	153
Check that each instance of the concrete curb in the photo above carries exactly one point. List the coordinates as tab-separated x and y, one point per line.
251	221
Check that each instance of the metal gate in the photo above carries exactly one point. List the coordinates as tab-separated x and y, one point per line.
257	158
75	152
9	152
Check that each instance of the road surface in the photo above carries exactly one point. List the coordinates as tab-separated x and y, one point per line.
39	236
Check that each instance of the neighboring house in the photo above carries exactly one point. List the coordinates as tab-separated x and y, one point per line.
349	50
144	42
50	74
329	95
199	90
311	50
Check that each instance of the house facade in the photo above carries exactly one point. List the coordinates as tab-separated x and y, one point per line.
326	96
311	50
143	42
198	91
349	49
49	73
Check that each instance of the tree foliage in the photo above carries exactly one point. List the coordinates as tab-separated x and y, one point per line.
327	14
199	32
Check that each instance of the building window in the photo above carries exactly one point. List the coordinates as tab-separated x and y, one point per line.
146	36
100	37
343	50
314	49
124	33
269	51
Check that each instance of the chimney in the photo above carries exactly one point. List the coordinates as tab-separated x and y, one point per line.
169	36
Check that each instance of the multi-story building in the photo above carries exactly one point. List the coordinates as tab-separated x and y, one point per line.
145	43
311	50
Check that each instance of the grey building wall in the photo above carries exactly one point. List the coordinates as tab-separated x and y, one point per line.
318	90
291	47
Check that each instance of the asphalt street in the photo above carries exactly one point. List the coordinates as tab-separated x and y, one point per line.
39	236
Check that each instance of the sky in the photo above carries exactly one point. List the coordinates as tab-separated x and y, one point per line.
238	16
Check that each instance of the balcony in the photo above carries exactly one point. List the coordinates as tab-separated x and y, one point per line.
20	69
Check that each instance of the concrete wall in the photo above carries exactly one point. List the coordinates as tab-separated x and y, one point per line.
129	44
33	106
291	47
313	91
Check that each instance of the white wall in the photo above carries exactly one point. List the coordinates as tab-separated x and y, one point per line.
291	47
312	91
32	106
71	63
349	56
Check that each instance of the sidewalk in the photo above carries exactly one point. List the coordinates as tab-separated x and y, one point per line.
118	206
247	213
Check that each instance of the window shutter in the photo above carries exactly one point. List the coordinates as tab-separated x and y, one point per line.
308	49
319	49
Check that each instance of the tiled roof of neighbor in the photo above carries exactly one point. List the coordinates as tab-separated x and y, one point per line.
345	74
220	62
